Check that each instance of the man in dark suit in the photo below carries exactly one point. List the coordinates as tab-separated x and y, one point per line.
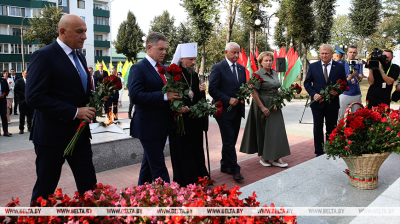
24	109
58	88
112	101
4	90
100	74
150	119
320	74
225	79
16	98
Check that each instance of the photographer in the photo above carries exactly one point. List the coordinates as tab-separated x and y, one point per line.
381	80
354	74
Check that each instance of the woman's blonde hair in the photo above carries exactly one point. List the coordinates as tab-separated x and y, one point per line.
262	55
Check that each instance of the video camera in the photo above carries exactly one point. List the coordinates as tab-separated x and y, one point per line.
355	62
375	57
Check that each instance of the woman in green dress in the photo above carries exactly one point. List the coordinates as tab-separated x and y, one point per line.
266	136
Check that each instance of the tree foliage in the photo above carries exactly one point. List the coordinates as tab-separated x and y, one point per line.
382	38
203	14
184	33
325	9
364	15
129	38
44	27
342	32
164	24
392	11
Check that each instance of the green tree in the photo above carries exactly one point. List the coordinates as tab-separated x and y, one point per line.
364	15
279	34
382	38
301	26
342	32
215	46
44	27
164	24
232	7
392	10
203	14
129	38
184	33
325	9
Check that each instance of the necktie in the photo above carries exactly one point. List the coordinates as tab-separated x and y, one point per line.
91	82
326	72
161	75
234	72
81	71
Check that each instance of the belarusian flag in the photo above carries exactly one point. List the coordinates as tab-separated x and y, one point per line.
249	69
293	73
253	63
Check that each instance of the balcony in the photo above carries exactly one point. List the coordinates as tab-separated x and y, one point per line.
28	4
99	28
100	43
16	57
14	40
100	12
106	59
13	20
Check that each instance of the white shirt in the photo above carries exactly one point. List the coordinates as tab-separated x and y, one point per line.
328	67
153	63
68	51
24	80
230	66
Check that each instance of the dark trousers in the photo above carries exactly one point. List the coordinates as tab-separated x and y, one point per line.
3	114
112	102
153	163
49	161
331	117
25	111
16	101
229	130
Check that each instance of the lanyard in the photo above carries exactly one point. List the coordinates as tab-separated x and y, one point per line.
387	73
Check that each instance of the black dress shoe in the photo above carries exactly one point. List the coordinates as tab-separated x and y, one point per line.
15	113
238	176
226	170
7	135
21	131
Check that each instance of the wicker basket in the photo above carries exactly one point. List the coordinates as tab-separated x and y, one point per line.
363	170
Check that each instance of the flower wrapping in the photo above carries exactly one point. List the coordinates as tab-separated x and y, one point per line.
108	86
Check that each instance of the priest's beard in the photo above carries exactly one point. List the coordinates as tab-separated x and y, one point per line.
189	70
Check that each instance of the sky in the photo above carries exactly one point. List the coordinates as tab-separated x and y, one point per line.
146	10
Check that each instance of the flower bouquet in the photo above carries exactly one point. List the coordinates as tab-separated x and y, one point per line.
175	84
203	108
286	94
366	133
245	92
340	86
108	86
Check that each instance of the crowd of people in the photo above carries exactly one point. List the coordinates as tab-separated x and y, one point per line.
60	102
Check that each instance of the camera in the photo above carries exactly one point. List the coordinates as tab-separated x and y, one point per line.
376	56
354	62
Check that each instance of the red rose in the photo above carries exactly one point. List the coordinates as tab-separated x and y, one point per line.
394	115
177	78
218	104
350	119
387	143
257	76
398	134
297	85
347	148
389	129
106	79
169	70
335	131
342	87
347	88
176	70
376	116
117	86
348	131
161	70
363	112
292	85
349	142
261	80
357	123
113	79
384	119
339	81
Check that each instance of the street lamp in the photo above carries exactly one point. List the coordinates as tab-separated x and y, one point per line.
266	27
22	46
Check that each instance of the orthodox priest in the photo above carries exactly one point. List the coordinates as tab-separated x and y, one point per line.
187	153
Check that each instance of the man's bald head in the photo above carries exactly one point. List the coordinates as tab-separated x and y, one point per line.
72	31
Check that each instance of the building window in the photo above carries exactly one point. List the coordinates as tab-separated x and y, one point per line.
13	11
62	2
28	13
98	53
98	37
6	48
19	12
81	4
101	7
16	31
98	20
3	10
83	18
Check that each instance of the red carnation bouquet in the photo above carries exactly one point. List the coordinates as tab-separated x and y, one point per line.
175	83
204	108
245	92
340	86
278	102
109	85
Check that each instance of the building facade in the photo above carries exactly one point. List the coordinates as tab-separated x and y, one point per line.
14	16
